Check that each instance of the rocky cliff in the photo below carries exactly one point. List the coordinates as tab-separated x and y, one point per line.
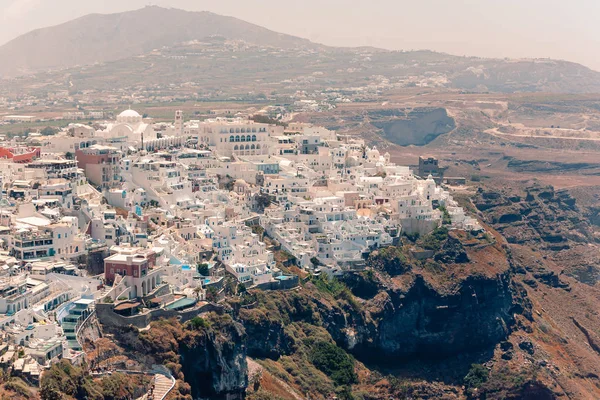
424	322
206	355
418	313
214	364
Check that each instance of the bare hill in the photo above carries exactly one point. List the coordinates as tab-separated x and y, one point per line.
109	37
176	47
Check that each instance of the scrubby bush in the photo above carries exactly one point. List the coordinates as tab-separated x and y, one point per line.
19	387
334	362
476	377
390	259
434	240
198	322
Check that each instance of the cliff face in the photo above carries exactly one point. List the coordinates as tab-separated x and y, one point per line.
207	355
215	364
396	324
425	322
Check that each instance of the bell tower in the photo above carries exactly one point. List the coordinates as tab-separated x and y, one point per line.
179	123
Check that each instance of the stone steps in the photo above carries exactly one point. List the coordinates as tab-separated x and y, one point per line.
161	387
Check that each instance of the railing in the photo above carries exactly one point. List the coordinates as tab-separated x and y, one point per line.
80	327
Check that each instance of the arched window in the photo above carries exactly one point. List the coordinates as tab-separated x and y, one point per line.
236	147
243	130
243	138
258	147
248	138
253	130
253	147
231	130
254	138
247	147
237	130
237	138
231	138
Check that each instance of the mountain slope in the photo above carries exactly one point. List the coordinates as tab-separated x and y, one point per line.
108	37
227	57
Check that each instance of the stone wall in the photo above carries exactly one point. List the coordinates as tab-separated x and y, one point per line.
279	284
108	317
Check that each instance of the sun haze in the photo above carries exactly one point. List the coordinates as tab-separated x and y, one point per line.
486	28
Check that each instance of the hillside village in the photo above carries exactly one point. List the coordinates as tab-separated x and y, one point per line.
135	221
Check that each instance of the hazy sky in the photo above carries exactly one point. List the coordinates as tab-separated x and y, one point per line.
491	28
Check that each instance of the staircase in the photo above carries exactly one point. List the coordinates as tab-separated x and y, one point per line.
161	387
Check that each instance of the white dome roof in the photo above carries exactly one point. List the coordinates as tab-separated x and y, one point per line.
129	113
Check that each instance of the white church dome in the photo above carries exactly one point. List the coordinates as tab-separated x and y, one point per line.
130	113
129	117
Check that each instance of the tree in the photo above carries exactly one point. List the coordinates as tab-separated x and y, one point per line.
48	131
241	289
203	269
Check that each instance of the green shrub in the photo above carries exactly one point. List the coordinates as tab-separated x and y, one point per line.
434	240
446	220
333	286
199	322
333	362
390	259
413	237
476	377
117	386
18	386
203	269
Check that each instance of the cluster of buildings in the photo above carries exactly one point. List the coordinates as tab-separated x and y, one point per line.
144	218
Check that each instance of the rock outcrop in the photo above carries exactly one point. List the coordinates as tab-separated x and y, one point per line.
207	355
214	363
396	324
424	322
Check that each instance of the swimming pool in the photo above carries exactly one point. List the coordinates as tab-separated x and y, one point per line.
181	304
